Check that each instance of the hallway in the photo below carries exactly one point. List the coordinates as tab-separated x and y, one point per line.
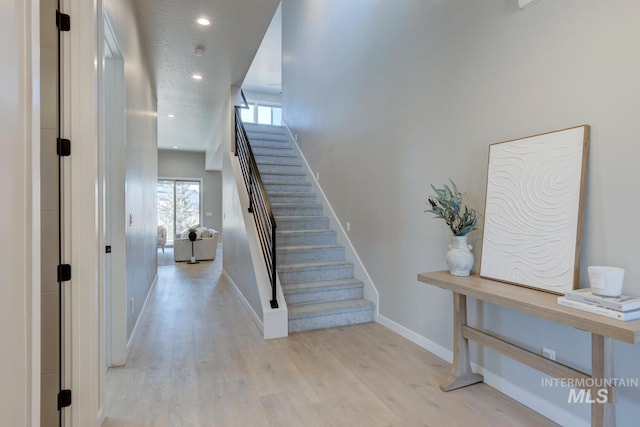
199	360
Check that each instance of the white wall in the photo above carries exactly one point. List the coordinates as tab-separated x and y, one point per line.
389	97
236	254
141	157
262	97
189	164
20	214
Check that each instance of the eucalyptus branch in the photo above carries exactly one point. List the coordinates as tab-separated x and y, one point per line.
447	204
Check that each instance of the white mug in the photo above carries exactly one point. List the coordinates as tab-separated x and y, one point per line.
606	281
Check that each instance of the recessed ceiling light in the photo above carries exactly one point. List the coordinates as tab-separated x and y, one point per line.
203	21
171	116
197	76
175	147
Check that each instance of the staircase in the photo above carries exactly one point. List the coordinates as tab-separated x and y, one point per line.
317	282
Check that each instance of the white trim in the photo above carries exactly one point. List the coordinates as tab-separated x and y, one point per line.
530	400
498	382
32	221
276	320
244	302
112	201
360	272
80	113
143	310
414	337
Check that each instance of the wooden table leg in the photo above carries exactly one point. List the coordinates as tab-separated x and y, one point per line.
461	373
602	406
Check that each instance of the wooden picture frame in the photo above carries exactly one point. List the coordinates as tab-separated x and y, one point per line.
533	216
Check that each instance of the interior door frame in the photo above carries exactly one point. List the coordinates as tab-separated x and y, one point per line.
84	367
113	201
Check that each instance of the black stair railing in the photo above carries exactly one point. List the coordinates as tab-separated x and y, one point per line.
258	202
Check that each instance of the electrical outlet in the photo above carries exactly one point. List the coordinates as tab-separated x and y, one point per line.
132	305
548	353
348	226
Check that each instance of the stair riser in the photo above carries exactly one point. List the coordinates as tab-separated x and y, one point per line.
276	152
278	179
272	130
302	239
288	188
297	211
266	144
332	320
293	198
311	255
276	161
316	274
325	295
267	169
316	223
259	136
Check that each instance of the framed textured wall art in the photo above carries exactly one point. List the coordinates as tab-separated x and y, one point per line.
533	213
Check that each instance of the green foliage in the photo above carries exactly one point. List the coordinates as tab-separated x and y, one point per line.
179	198
447	204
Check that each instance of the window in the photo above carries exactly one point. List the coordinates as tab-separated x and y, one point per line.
178	205
262	114
276	116
247	114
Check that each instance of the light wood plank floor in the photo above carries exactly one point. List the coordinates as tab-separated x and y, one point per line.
199	360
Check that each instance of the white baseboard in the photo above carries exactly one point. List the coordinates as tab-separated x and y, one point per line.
244	302
530	400
501	384
142	312
427	344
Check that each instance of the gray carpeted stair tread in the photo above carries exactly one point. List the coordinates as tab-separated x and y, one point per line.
291	161
313	266
292	248
292	193
297	311
315	286
281	173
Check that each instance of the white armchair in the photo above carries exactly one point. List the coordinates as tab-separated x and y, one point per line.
162	237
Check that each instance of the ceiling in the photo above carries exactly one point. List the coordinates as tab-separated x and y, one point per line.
265	73
170	36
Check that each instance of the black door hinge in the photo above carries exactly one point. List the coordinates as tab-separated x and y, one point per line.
64	147
63	21
64	273
64	399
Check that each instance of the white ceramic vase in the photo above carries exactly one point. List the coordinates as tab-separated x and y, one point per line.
459	256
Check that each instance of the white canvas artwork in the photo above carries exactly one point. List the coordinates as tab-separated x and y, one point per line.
533	212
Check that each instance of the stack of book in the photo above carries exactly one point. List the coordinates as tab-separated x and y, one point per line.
622	308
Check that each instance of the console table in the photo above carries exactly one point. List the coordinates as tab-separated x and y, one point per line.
603	331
